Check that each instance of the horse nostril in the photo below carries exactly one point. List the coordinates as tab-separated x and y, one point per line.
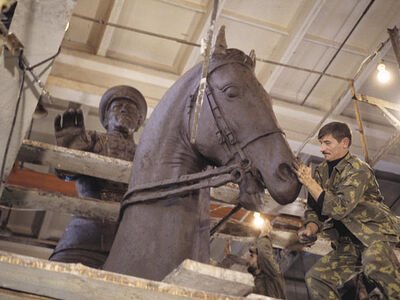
285	172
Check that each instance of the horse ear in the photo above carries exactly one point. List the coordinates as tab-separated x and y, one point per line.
220	45
252	55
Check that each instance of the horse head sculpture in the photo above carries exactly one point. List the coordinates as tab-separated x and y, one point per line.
236	124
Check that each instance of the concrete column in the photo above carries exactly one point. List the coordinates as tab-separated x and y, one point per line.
40	26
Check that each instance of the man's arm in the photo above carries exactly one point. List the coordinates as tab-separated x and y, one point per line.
352	185
344	198
308	233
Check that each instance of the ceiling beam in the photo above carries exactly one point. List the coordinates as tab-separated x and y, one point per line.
284	51
234	16
106	37
115	68
186	5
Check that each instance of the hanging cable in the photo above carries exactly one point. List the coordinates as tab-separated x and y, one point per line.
338	50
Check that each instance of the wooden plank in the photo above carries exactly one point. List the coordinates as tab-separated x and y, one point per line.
119	170
80	162
209	278
377	101
20	197
259	297
75	281
48	182
16	295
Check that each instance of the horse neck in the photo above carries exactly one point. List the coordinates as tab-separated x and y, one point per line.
164	150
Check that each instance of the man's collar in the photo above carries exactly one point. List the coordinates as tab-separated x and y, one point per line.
342	163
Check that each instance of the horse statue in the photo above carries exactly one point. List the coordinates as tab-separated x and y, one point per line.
237	134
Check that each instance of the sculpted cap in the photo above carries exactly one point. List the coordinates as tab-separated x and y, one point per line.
122	92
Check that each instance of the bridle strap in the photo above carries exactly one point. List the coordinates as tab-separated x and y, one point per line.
253	139
226	136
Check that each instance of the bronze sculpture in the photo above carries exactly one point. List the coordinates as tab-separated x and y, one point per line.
122	110
236	124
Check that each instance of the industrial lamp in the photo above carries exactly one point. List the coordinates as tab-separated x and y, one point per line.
258	221
383	74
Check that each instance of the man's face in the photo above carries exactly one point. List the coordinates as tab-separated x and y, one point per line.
122	114
252	266
332	149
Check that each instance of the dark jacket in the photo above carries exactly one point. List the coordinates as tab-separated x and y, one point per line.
270	281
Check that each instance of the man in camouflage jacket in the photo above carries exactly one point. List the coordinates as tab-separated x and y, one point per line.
345	204
268	279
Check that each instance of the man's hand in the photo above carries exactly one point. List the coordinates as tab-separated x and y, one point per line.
71	133
308	235
304	174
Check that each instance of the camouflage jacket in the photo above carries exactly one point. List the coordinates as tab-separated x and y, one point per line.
270	281
352	196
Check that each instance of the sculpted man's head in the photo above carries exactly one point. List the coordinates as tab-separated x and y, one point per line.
335	139
122	109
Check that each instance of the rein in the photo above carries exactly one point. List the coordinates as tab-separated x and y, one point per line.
210	178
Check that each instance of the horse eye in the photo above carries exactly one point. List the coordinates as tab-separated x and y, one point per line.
232	91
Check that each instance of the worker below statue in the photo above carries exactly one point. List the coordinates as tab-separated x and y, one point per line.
122	110
268	278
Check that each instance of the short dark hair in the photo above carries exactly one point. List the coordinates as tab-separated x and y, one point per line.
338	130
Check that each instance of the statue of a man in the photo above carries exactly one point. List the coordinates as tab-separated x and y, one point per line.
122	110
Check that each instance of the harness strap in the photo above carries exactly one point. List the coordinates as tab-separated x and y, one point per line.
228	138
253	139
225	134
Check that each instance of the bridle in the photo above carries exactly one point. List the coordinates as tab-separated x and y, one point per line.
233	172
225	135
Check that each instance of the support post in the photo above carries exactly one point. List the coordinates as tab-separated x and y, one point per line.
40	27
360	126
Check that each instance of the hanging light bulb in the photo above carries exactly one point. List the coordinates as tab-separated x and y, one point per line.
258	221
383	74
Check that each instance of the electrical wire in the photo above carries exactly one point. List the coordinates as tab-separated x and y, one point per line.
338	50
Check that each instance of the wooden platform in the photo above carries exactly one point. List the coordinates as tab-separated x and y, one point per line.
24	277
208	278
